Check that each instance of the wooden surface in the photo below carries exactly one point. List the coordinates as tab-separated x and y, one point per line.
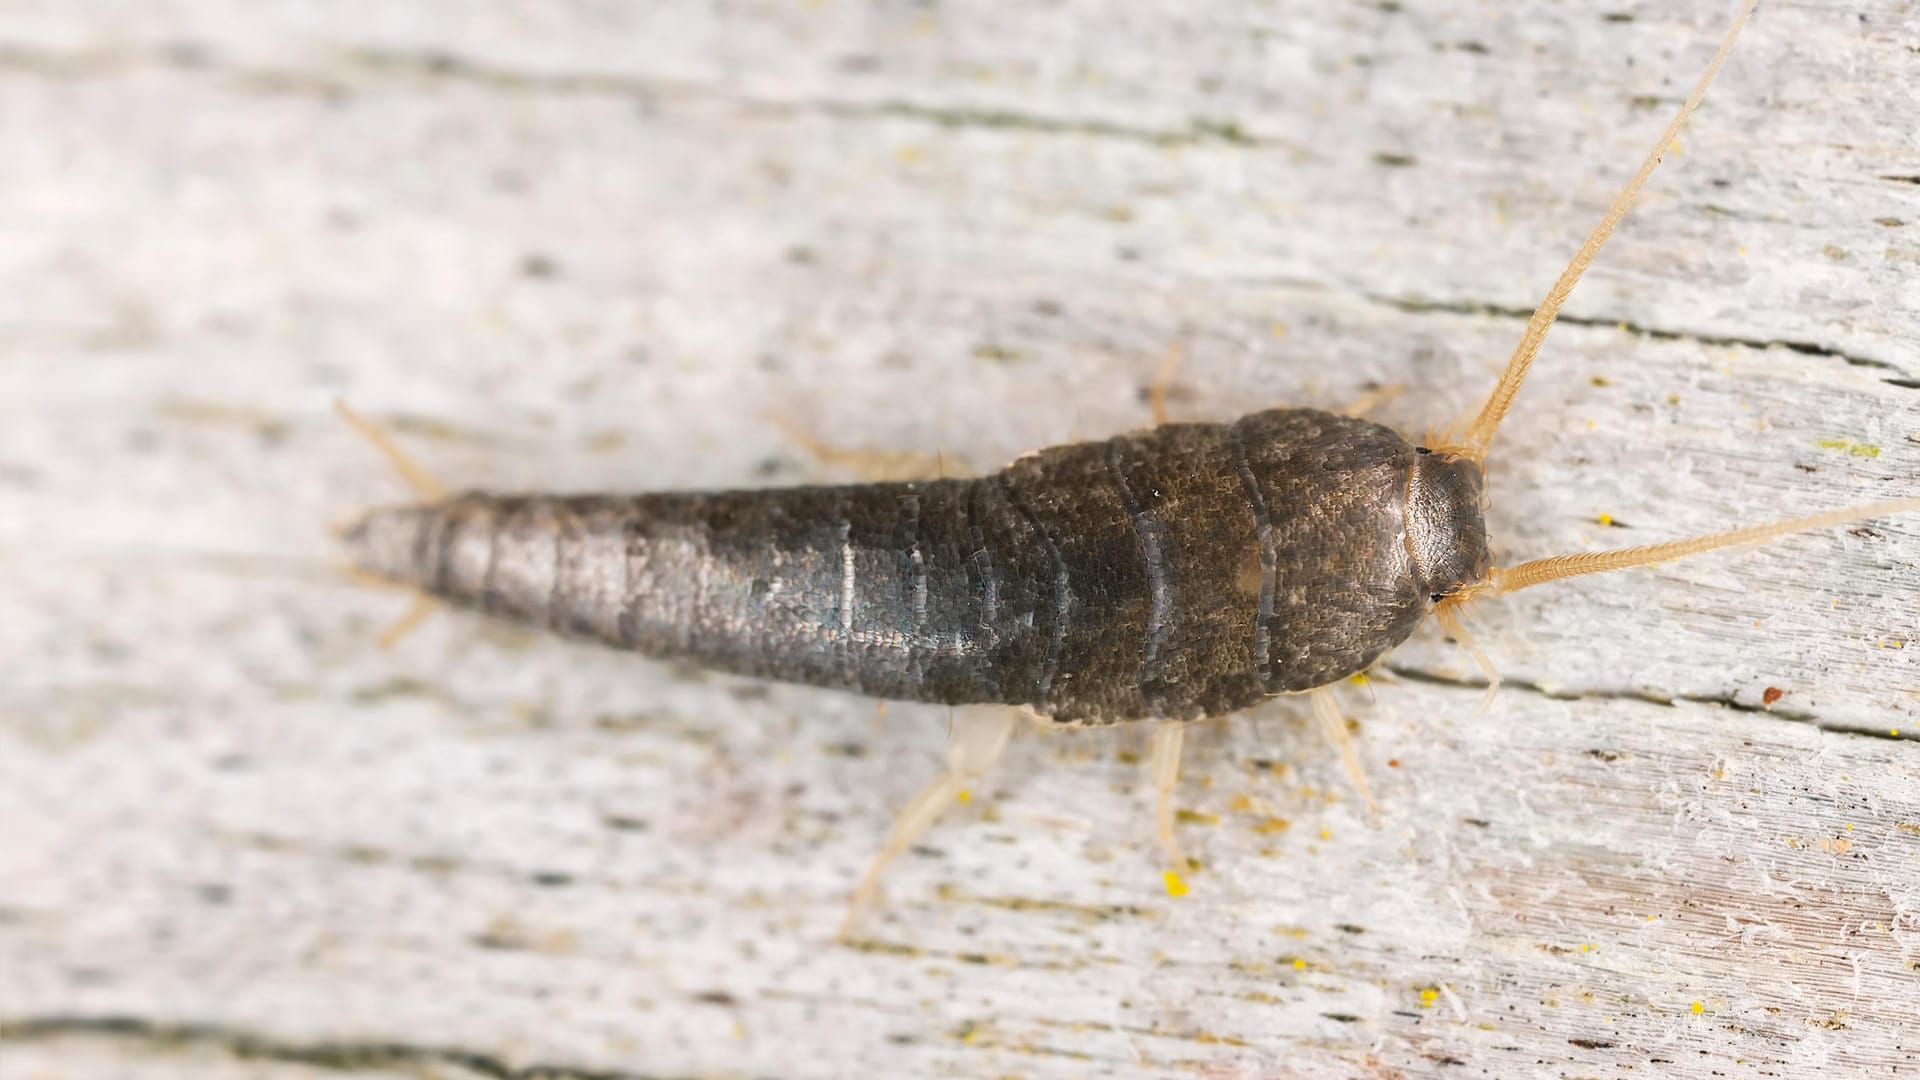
586	245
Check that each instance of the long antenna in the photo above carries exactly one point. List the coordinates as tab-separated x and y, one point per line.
1540	571
1480	434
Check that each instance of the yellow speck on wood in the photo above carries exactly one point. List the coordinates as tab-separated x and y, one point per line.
964	795
1278	329
1326	834
1428	995
1859	450
1270	825
1299	964
1196	817
1698	1008
1240	803
1604	519
1176	887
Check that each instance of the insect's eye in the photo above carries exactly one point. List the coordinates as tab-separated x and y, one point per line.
1421	450
1436	597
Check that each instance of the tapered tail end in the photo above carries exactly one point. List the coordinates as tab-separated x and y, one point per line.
387	542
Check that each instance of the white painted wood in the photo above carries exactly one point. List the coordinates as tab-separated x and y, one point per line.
581	245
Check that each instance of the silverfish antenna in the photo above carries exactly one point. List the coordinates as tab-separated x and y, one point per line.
1480	433
1540	571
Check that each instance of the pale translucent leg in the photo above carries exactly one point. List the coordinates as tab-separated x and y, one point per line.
978	735
1367	402
1162	383
1327	711
1164	763
877	466
1453	622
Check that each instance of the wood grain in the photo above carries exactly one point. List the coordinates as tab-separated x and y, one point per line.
578	245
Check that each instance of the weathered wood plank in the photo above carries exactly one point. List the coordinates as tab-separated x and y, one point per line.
583	245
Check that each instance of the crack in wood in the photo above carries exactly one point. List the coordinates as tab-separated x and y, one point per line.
253	1046
450	67
1645	697
1903	378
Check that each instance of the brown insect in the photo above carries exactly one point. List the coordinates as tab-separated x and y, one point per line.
1168	575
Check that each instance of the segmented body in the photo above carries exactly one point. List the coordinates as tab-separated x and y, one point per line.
1174	573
